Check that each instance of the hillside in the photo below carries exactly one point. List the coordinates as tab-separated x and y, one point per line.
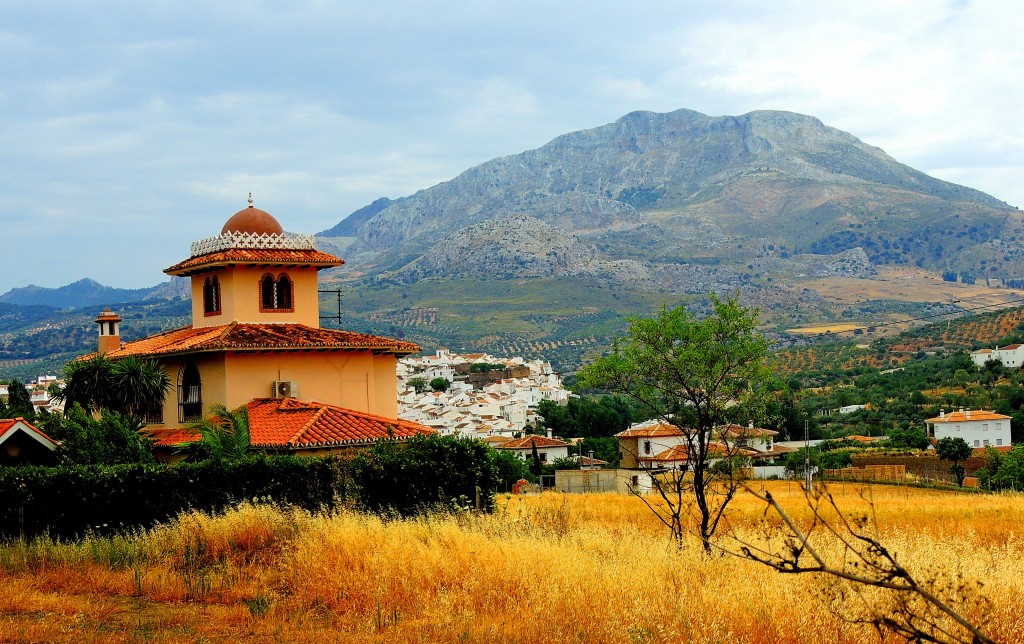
803	220
90	293
38	339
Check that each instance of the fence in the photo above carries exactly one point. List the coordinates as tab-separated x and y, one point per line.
869	473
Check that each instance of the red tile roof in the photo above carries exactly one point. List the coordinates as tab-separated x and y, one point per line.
240	336
287	423
650	431
6	424
961	416
682	453
527	442
255	257
746	431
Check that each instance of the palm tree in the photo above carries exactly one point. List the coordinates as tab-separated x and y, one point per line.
139	385
225	434
88	383
130	385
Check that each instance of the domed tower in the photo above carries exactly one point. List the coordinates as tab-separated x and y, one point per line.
254	272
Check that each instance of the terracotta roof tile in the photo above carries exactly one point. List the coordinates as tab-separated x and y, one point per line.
255	256
7	423
287	423
681	453
527	442
650	431
240	336
745	431
961	416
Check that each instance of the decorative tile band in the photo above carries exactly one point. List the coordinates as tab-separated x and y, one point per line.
227	241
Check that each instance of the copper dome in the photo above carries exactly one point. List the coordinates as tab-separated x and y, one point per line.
253	221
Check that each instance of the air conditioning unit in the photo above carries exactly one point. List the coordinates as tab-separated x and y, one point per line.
285	389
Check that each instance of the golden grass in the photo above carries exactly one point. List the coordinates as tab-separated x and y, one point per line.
545	568
825	328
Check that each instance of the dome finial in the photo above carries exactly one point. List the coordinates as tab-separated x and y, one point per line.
250	200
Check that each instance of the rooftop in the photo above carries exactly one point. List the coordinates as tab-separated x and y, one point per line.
287	423
967	415
238	336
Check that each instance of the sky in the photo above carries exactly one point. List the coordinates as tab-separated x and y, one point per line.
129	130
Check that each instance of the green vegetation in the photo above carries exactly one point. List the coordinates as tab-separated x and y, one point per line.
956	450
111	439
696	375
424	473
129	386
590	416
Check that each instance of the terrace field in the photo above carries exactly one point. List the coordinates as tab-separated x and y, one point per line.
543	568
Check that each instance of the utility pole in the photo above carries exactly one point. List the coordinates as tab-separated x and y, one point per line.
807	455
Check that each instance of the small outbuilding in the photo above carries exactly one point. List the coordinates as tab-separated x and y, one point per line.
21	443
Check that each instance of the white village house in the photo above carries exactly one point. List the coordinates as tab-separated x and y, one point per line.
548	449
477	405
659	445
1012	355
979	428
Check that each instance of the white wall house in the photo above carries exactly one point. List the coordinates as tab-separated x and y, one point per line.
1012	355
979	428
549	449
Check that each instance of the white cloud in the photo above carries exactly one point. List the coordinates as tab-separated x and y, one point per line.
158	119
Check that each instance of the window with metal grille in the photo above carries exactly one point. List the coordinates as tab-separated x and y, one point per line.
276	293
190	395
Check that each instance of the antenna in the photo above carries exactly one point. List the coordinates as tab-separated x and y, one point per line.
336	317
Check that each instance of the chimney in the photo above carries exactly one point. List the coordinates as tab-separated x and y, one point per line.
968	413
110	331
942	413
549	432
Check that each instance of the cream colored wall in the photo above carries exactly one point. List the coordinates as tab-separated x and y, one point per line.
240	296
211	374
353	379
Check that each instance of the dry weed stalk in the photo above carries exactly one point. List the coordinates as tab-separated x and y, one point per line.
920	611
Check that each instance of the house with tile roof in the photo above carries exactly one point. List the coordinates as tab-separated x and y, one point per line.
22	443
979	428
256	336
656	444
287	425
549	449
1012	356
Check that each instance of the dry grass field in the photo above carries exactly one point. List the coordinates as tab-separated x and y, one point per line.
908	284
544	568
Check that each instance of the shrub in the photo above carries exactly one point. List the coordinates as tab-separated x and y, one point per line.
69	501
423	473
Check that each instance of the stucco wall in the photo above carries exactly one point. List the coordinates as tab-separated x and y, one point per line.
240	296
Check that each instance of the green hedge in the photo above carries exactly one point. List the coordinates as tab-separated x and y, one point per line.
418	475
70	501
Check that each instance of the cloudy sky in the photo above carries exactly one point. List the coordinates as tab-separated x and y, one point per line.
128	129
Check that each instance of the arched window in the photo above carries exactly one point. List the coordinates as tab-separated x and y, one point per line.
284	292
276	294
211	296
268	288
190	394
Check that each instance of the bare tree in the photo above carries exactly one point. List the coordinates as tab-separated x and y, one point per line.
920	611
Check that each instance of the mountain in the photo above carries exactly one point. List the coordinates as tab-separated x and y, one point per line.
90	293
547	252
683	188
351	224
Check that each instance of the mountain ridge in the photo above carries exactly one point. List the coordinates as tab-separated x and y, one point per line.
688	184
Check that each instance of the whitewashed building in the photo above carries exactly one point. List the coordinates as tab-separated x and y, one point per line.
979	428
1012	356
